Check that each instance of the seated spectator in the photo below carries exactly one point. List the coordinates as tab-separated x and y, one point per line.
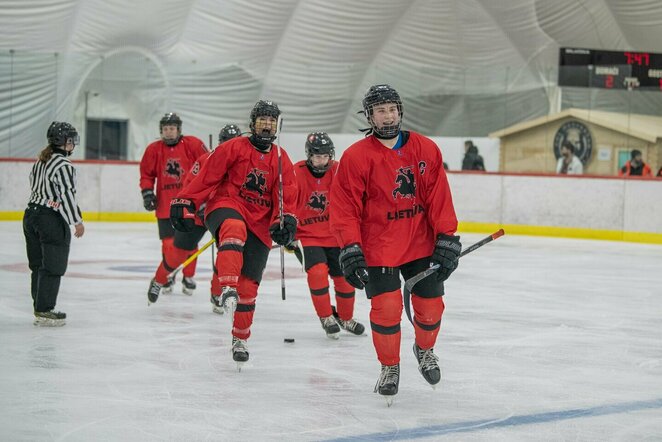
472	160
636	166
659	173
568	162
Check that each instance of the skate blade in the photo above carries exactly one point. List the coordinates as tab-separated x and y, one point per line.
166	291
188	292
44	322
218	310
389	400
239	365
230	306
334	336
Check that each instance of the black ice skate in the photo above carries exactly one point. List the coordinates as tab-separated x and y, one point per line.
153	291
387	384
49	319
188	285
168	286
216	303
331	327
352	326
239	351
427	365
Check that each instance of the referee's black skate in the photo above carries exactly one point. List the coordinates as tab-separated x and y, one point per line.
427	365
239	351
388	382
49	319
153	291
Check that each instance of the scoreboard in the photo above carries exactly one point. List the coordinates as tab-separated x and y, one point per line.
595	68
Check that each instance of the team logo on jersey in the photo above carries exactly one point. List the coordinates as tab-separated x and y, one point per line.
421	167
405	184
318	202
256	181
174	169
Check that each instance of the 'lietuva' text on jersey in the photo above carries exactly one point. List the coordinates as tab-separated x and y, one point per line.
313	206
168	167
392	201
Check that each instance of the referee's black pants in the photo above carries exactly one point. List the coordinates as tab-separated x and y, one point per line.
47	239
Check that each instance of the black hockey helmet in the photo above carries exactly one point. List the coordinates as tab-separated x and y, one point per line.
228	132
380	94
319	143
263	109
171	119
59	133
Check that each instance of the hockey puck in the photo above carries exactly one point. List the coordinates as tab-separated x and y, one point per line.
288	340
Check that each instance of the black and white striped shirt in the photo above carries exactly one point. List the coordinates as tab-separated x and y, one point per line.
53	185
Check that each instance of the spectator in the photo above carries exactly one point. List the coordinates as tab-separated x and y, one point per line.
568	162
472	160
659	173
636	166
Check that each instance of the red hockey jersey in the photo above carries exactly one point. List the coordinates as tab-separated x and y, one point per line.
392	202
313	206
238	176
167	166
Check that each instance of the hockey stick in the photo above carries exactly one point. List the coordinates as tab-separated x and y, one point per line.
411	282
279	126
190	259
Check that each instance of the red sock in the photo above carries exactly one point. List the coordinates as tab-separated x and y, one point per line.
230	258
385	316
243	316
345	296
427	319
318	282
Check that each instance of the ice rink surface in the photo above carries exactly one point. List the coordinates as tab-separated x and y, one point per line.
542	340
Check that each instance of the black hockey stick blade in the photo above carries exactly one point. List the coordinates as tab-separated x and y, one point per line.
411	282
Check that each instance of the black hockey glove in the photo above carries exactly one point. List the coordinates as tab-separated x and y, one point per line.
354	268
182	214
284	235
447	254
149	200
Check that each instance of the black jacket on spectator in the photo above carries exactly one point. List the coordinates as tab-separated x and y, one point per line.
472	160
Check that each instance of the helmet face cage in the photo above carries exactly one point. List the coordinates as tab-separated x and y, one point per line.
319	143
382	94
61	133
263	109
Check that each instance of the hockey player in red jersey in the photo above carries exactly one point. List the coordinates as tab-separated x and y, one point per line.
228	303
163	169
320	248
392	213
240	184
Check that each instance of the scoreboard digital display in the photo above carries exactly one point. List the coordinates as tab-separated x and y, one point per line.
580	67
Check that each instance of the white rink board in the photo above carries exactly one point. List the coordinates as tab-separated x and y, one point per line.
590	203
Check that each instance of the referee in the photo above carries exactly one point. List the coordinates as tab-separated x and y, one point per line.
51	209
